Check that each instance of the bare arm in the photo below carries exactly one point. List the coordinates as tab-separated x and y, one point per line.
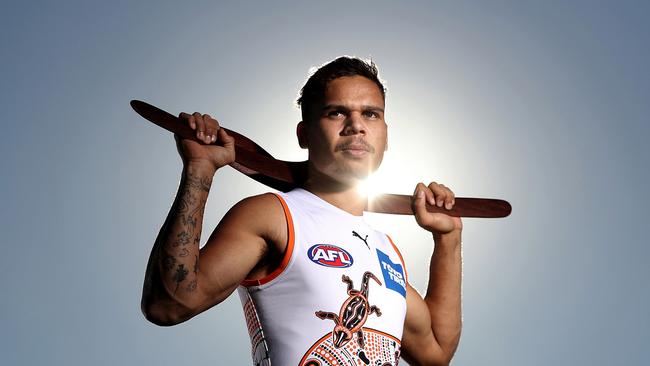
433	324
174	260
182	280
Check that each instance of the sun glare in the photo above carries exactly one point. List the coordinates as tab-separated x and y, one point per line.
367	188
394	176
376	184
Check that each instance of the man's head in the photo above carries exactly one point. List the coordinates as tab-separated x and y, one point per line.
343	121
313	92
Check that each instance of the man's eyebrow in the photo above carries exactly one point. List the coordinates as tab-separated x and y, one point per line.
372	108
363	107
334	106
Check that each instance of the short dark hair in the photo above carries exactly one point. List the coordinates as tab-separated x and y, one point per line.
313	93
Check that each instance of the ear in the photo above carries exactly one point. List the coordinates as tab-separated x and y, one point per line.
301	132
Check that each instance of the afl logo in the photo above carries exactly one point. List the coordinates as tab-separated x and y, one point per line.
330	256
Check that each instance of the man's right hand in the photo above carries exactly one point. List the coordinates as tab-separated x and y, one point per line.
217	149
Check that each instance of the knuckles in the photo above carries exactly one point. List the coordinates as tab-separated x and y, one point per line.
436	194
203	123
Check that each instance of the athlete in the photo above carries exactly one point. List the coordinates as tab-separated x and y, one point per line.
318	285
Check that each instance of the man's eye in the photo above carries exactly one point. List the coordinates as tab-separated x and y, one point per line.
372	114
334	114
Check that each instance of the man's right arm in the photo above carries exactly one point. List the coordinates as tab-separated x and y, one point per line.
171	277
183	280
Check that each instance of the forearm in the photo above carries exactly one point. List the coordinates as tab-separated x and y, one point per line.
443	296
172	271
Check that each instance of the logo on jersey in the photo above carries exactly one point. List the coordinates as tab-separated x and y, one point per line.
330	256
393	273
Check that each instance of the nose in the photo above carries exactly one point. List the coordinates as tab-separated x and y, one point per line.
354	124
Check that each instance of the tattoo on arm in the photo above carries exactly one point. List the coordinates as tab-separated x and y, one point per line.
191	286
203	183
180	275
181	234
168	262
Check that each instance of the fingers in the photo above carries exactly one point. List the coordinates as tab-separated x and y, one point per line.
443	195
201	128
206	127
435	194
418	202
439	196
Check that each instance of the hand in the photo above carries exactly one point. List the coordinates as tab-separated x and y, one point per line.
436	195
217	149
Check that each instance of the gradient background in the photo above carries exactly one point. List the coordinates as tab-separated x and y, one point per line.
543	103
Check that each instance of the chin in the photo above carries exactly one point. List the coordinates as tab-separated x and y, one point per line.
354	175
348	172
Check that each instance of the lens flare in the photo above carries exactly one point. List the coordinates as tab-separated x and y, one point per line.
371	187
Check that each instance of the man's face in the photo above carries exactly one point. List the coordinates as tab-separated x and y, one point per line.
347	136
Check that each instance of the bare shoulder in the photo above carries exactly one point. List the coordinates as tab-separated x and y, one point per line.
256	229
262	214
245	244
260	219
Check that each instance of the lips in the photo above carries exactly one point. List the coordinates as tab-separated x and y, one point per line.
356	151
357	147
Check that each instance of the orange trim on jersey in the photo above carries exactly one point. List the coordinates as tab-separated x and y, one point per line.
400	257
287	253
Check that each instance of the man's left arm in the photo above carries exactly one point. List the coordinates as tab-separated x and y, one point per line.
433	323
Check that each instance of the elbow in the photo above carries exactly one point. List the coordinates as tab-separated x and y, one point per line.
445	354
160	314
445	362
449	352
160	319
439	361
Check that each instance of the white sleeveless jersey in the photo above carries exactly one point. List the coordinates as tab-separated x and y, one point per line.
338	296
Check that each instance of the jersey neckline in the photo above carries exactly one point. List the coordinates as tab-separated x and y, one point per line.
328	206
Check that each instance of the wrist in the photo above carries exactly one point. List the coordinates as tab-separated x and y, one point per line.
198	176
202	168
451	238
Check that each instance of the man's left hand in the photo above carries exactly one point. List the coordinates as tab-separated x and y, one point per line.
436	195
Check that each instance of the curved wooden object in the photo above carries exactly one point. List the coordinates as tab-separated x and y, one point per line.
255	162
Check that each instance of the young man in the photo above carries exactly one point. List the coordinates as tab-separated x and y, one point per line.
318	285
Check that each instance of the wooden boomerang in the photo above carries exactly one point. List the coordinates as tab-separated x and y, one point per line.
252	160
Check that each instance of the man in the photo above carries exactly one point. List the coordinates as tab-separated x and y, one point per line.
318	285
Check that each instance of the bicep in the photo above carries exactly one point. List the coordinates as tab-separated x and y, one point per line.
235	247
419	346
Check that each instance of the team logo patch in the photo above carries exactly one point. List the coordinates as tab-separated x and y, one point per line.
329	255
393	274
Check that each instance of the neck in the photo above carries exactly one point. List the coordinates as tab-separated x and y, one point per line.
344	195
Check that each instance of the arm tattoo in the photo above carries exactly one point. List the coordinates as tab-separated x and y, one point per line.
182	233
180	275
202	183
168	262
191	286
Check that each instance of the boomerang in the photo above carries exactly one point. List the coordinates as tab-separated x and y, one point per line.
255	162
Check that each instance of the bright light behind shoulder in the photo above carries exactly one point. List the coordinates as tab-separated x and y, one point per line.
371	187
382	181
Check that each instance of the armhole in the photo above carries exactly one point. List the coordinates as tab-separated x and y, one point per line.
400	257
287	252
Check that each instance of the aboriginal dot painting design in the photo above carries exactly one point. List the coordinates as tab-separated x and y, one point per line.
380	349
259	348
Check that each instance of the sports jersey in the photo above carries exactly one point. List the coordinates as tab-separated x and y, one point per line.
337	298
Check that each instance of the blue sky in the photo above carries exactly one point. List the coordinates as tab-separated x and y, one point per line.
542	103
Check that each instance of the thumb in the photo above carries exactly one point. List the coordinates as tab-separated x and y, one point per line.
227	140
418	204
